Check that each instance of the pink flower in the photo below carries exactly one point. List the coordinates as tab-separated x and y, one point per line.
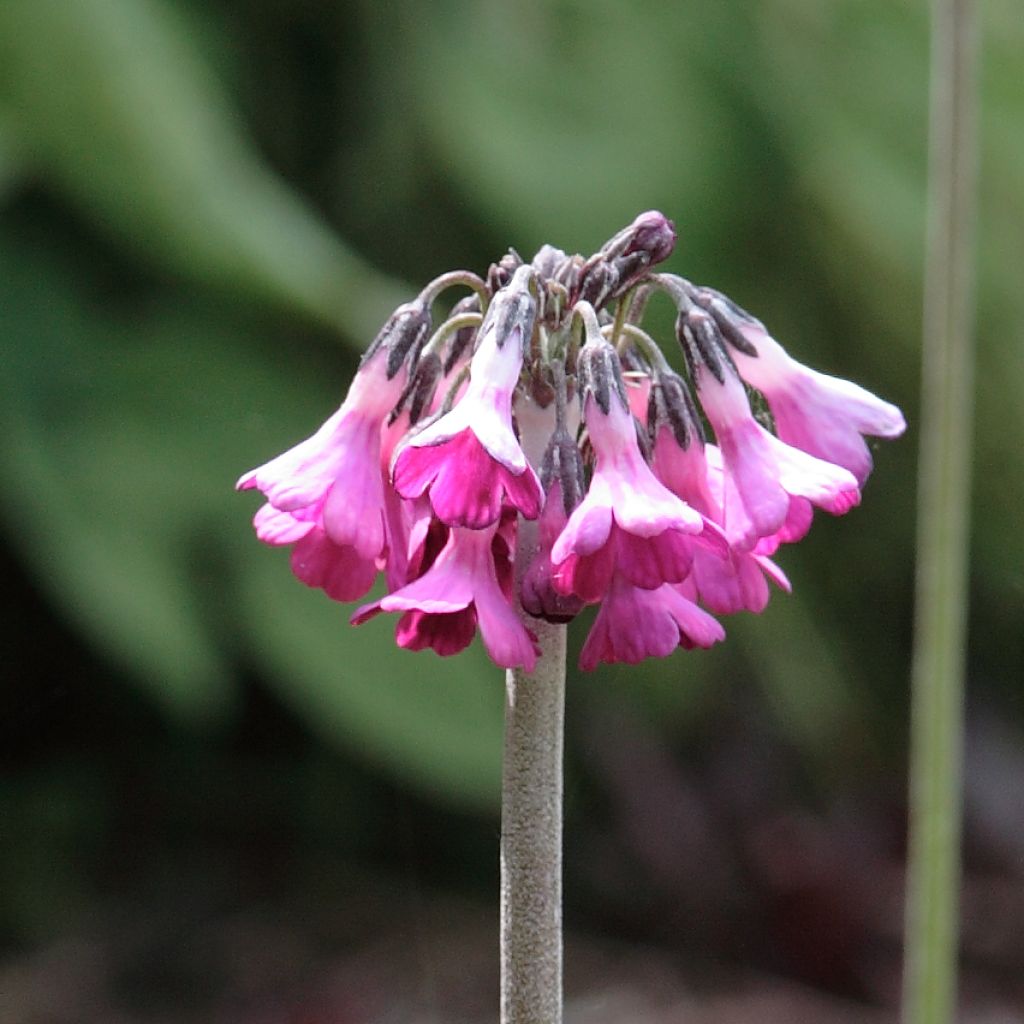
737	581
821	415
634	623
469	459
326	495
767	472
460	590
628	520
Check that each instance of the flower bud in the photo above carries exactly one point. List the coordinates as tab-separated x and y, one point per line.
499	274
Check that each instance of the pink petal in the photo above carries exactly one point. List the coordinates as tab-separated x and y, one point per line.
444	634
337	569
276	527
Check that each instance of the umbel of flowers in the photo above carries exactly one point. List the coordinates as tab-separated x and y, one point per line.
661	496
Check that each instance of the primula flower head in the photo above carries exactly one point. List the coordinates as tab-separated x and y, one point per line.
449	445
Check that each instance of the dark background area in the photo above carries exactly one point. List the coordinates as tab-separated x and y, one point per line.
220	803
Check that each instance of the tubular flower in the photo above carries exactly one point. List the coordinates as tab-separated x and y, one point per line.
767	473
469	459
634	623
448	440
458	592
821	415
327	494
628	521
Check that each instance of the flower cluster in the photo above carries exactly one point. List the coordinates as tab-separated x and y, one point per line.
536	453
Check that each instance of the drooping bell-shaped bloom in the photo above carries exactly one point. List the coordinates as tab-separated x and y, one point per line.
634	623
459	591
327	494
821	415
727	584
767	472
628	520
469	460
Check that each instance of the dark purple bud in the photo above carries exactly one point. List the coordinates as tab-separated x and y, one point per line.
403	335
499	274
652	233
624	259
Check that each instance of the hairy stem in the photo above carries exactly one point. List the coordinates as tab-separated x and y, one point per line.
930	971
531	827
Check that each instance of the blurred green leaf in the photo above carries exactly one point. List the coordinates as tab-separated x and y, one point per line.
122	442
562	121
119	112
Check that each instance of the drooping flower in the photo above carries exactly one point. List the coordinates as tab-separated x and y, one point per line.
469	460
693	471
634	623
628	521
767	472
326	494
821	415
458	592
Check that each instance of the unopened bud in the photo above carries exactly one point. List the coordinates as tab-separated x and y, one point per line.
651	233
499	274
625	258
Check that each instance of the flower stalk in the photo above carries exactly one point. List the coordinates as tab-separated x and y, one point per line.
531	836
933	884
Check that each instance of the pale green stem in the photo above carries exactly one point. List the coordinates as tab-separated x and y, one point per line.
531	826
453	279
451	326
930	970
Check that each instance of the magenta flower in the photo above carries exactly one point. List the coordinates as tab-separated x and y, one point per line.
469	459
460	590
725	584
767	472
634	623
628	521
326	495
821	415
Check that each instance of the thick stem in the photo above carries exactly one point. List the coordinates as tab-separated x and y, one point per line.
531	827
930	970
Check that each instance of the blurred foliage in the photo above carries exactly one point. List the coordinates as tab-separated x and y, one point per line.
186	188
